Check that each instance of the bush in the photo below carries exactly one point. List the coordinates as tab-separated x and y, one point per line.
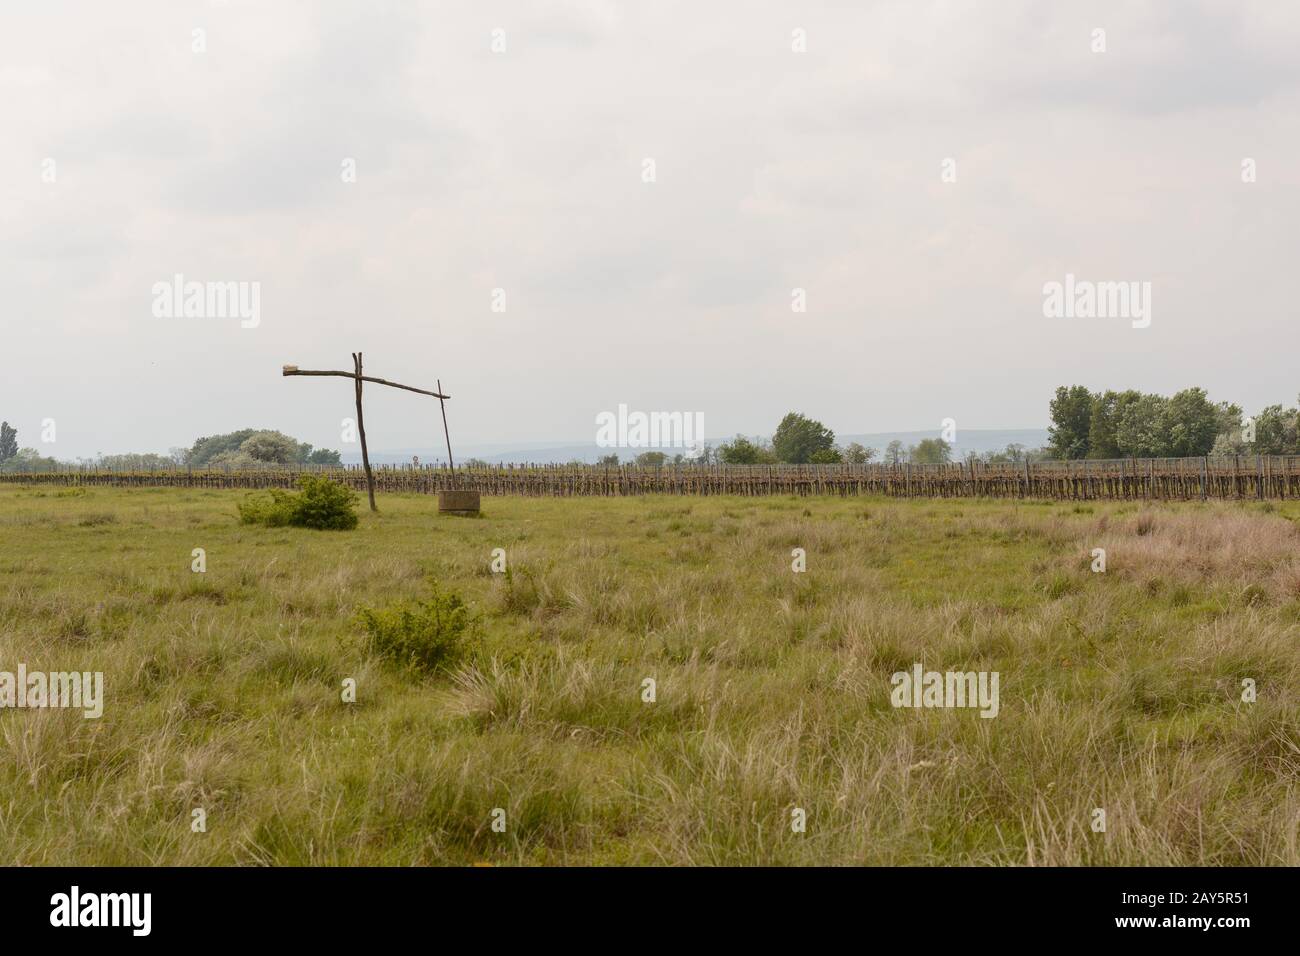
326	504
423	635
273	508
322	503
742	451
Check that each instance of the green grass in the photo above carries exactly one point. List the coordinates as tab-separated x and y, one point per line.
1118	690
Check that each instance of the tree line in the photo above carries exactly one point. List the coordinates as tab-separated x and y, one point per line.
800	440
1085	424
251	447
1132	424
13	458
243	449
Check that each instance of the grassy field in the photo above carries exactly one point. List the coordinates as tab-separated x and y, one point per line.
1119	690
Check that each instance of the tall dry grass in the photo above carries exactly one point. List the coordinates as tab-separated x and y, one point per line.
1119	691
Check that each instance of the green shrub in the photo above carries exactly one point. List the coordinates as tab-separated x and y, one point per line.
274	508
423	635
326	504
322	503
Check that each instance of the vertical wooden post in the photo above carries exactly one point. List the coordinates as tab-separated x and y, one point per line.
451	465
361	430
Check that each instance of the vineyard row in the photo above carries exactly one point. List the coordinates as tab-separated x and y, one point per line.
1245	476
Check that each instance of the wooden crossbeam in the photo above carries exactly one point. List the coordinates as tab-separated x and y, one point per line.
294	370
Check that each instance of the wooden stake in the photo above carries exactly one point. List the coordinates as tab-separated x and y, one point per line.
361	430
451	466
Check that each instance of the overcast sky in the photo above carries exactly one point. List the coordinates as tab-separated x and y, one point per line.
523	170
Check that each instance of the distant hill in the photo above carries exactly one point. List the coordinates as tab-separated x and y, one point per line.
969	439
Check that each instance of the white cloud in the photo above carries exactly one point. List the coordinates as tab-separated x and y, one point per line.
522	171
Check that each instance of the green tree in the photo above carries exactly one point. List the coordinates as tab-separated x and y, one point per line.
1229	418
259	445
1140	431
323	456
742	451
205	449
856	454
1071	412
798	438
1107	407
609	461
1277	431
1230	443
1013	453
651	459
930	451
8	441
895	453
29	460
274	447
826	456
1191	424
